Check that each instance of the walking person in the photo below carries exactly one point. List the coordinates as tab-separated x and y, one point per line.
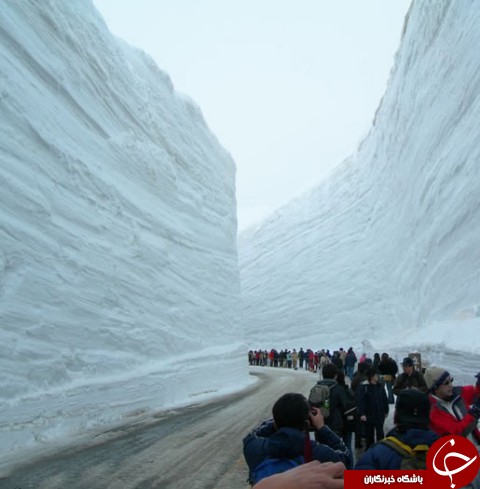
294	359
372	406
358	378
350	361
410	436
337	402
349	415
388	368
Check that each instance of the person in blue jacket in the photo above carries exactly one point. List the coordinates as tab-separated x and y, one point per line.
287	435
412	420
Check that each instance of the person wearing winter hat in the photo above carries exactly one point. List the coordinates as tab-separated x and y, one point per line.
410	378
411	418
455	410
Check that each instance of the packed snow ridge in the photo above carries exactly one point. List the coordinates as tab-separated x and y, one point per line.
119	280
119	274
389	244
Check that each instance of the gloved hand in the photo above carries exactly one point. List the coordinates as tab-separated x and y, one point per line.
475	409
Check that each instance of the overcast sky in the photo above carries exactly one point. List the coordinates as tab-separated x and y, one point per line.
290	87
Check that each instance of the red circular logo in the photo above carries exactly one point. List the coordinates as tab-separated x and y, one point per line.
453	462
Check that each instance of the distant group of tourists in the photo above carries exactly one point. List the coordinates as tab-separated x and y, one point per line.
335	417
307	359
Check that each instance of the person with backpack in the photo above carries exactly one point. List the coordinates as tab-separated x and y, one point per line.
284	442
407	444
372	406
330	397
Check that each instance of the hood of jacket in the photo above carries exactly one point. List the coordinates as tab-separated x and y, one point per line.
327	382
285	443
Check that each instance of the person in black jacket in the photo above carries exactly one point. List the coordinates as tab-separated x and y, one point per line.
359	377
285	435
338	399
372	406
350	415
388	368
412	428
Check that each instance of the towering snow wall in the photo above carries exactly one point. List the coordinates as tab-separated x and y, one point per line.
391	240
118	265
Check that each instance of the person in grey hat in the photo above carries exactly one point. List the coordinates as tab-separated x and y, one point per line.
409	379
455	410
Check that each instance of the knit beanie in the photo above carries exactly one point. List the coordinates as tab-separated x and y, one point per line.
435	377
412	407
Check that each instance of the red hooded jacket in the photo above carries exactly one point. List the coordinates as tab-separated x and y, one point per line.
444	423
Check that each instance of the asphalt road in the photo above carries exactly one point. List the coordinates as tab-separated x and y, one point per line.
197	447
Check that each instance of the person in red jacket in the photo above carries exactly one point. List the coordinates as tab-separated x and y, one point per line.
455	410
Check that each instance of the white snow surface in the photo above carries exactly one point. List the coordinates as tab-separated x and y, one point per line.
119	279
386	252
119	283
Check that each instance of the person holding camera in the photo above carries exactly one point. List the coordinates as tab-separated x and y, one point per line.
286	437
455	409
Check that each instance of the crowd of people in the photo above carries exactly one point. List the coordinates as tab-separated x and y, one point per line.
340	424
307	359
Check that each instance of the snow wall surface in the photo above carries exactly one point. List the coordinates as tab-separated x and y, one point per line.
391	241
119	283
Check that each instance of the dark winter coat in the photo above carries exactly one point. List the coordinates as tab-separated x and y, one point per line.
337	361
265	441
414	381
350	359
372	401
382	457
338	406
388	367
350	420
